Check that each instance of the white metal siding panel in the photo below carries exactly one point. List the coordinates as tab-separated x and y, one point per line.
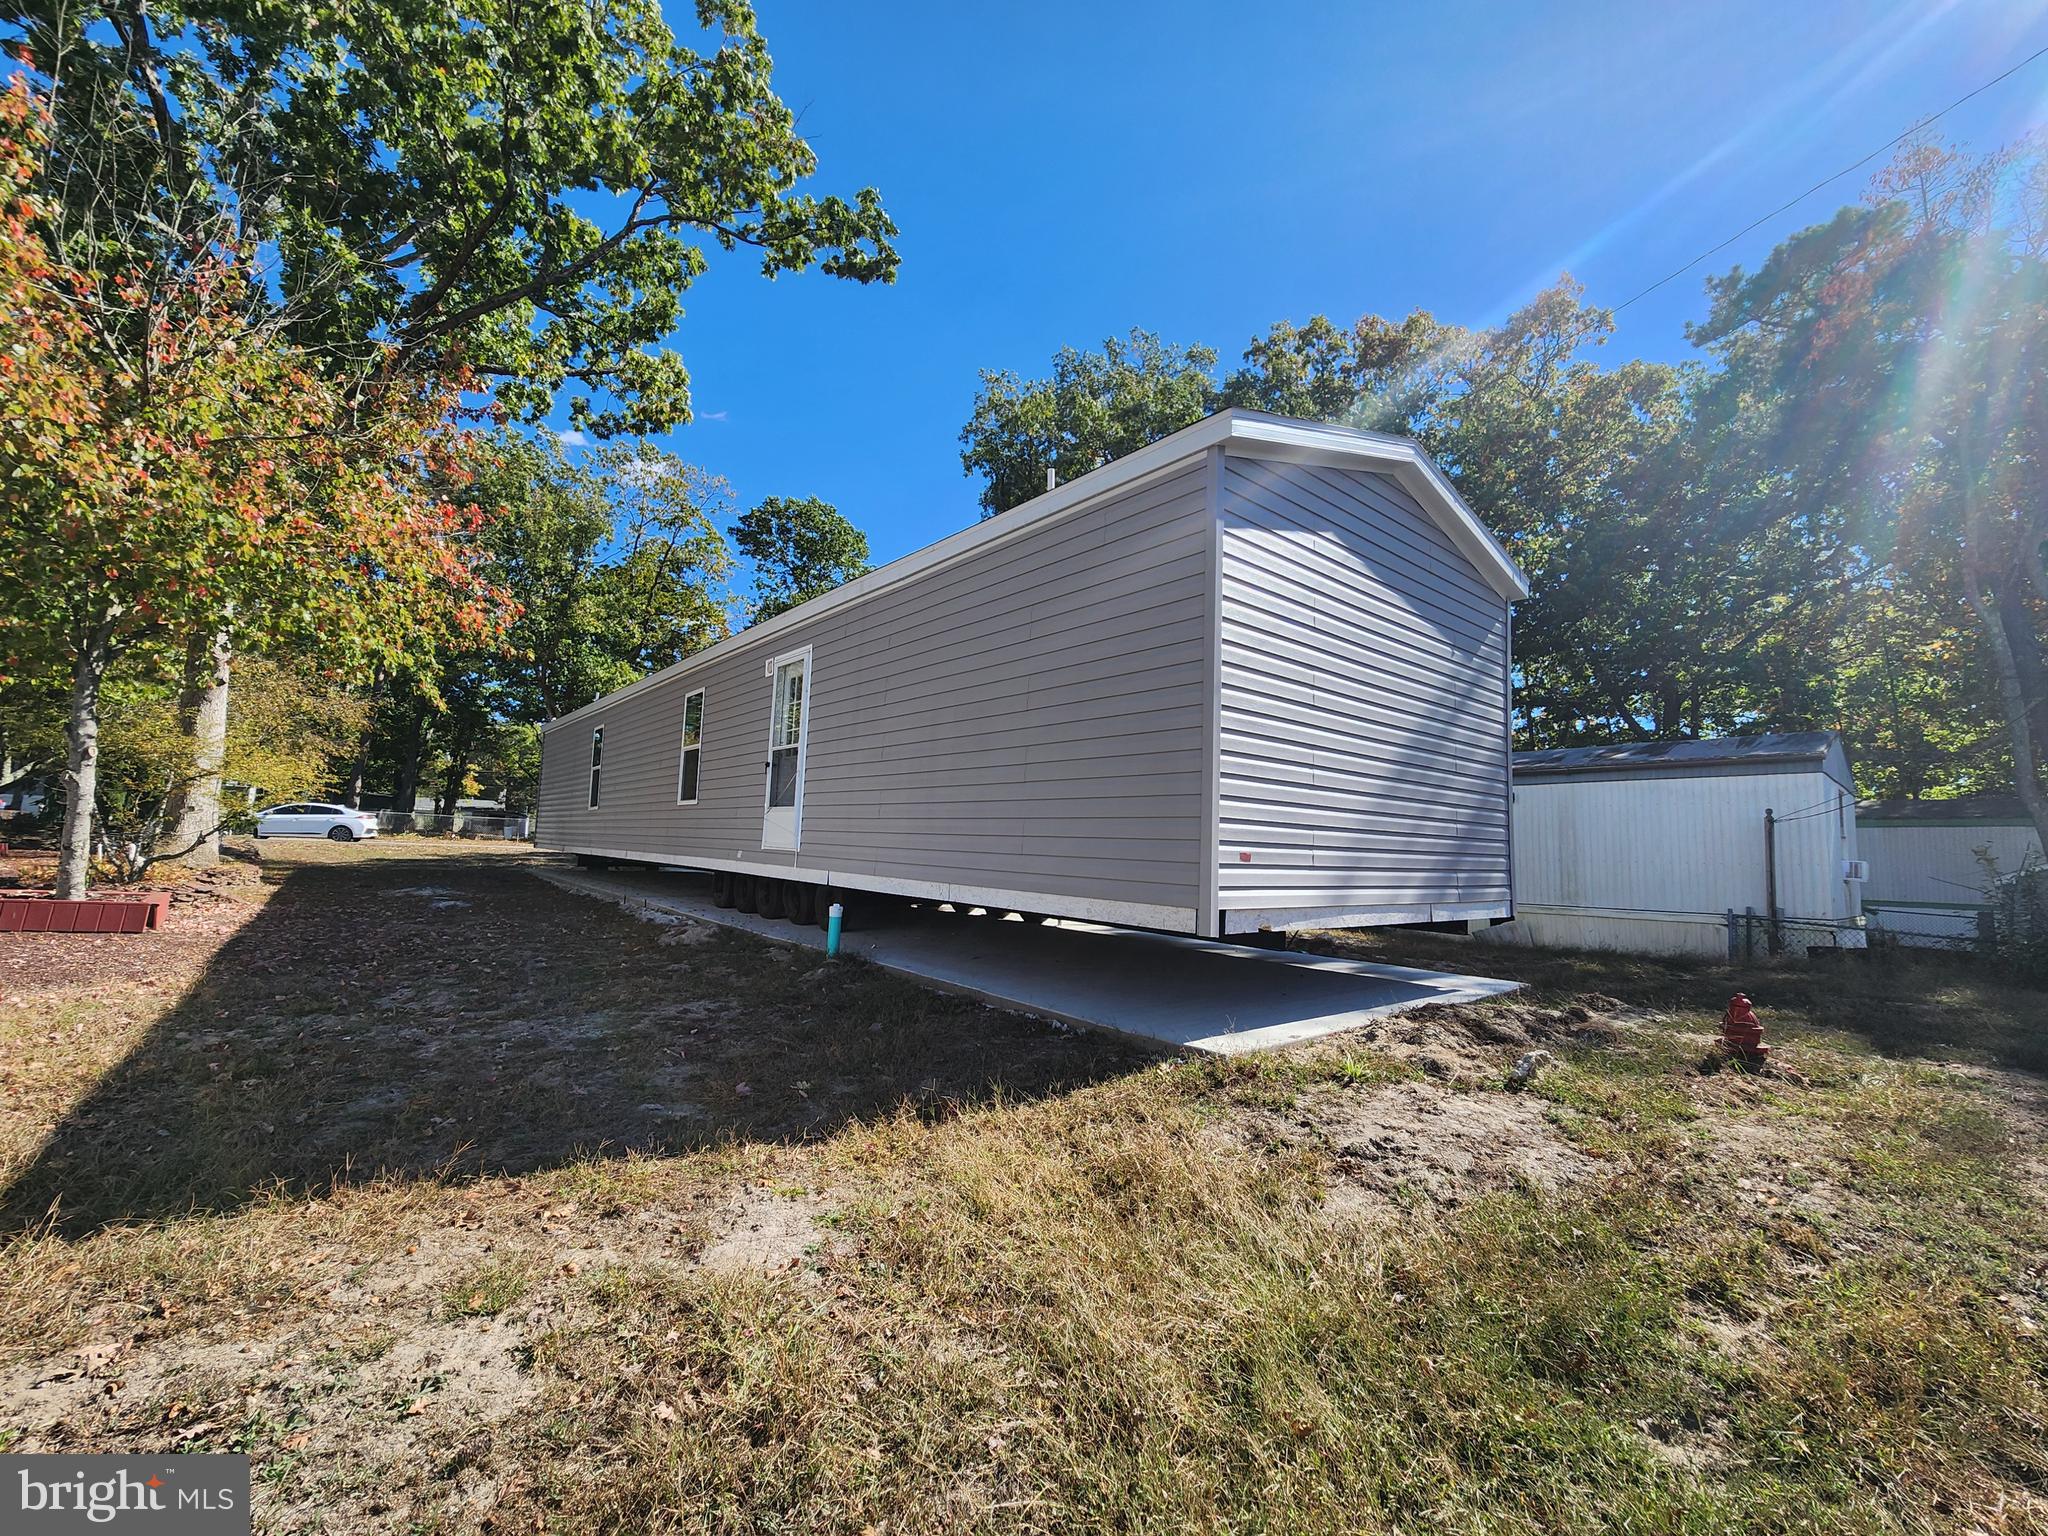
1913	861
1652	861
1364	677
1030	718
1633	935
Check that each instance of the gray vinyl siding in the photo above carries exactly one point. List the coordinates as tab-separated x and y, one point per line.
1363	733
1034	716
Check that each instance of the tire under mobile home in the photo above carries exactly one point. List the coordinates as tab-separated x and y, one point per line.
1253	676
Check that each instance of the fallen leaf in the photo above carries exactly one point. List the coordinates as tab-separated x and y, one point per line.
92	1356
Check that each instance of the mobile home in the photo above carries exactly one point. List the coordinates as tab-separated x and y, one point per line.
1252	676
1934	864
1652	846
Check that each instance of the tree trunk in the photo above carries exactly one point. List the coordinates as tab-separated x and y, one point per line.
81	765
193	815
352	792
405	789
2016	614
451	782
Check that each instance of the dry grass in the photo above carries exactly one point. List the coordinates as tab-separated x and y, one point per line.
527	1256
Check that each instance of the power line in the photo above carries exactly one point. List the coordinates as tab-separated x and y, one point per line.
1818	808
1827	180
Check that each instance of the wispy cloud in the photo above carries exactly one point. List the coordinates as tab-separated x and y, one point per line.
712	415
572	439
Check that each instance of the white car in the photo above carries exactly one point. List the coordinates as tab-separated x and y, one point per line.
336	823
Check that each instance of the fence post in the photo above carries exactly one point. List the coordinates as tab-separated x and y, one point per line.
1749	933
1731	934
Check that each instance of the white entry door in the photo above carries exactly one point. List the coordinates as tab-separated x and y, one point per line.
782	821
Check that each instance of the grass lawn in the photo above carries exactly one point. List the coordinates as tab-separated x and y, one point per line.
461	1203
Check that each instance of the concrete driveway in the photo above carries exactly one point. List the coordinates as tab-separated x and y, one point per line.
1190	993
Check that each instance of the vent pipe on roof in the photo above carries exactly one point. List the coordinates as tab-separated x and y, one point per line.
1052	477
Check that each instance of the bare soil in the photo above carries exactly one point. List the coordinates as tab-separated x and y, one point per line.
461	1203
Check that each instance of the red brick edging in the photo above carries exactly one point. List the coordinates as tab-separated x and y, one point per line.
90	914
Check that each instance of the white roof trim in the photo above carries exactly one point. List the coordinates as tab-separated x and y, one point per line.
1401	457
1250	434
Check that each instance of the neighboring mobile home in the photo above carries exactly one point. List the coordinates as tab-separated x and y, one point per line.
1254	675
1649	846
1933	863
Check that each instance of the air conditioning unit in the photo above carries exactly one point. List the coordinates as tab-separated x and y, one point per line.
1855	869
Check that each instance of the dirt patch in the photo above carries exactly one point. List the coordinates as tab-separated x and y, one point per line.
762	1232
1386	1148
381	1402
1477	1044
474	1022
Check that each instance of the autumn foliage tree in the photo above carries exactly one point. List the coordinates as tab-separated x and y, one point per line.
174	469
518	193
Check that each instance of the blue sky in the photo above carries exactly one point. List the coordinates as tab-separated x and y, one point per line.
1062	172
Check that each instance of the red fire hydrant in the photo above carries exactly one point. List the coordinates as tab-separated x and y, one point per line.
1741	1031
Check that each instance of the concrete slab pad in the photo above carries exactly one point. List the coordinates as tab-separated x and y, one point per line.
1194	994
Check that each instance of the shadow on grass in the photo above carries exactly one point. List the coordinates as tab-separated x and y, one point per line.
1943	1008
455	1017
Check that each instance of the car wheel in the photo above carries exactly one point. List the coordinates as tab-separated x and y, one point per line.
340	835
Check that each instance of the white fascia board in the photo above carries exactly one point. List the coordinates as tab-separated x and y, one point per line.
1251	432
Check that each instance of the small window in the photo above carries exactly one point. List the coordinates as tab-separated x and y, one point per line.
596	762
693	749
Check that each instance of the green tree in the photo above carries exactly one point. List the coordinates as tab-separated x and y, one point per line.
1914	695
1661	605
616	567
1095	407
1312	372
512	194
1889	368
288	730
800	549
530	189
662	597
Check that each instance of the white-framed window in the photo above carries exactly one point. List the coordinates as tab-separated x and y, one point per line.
596	761
786	731
693	747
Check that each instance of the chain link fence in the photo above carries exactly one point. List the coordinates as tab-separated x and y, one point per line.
462	824
2007	929
1954	929
1754	935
